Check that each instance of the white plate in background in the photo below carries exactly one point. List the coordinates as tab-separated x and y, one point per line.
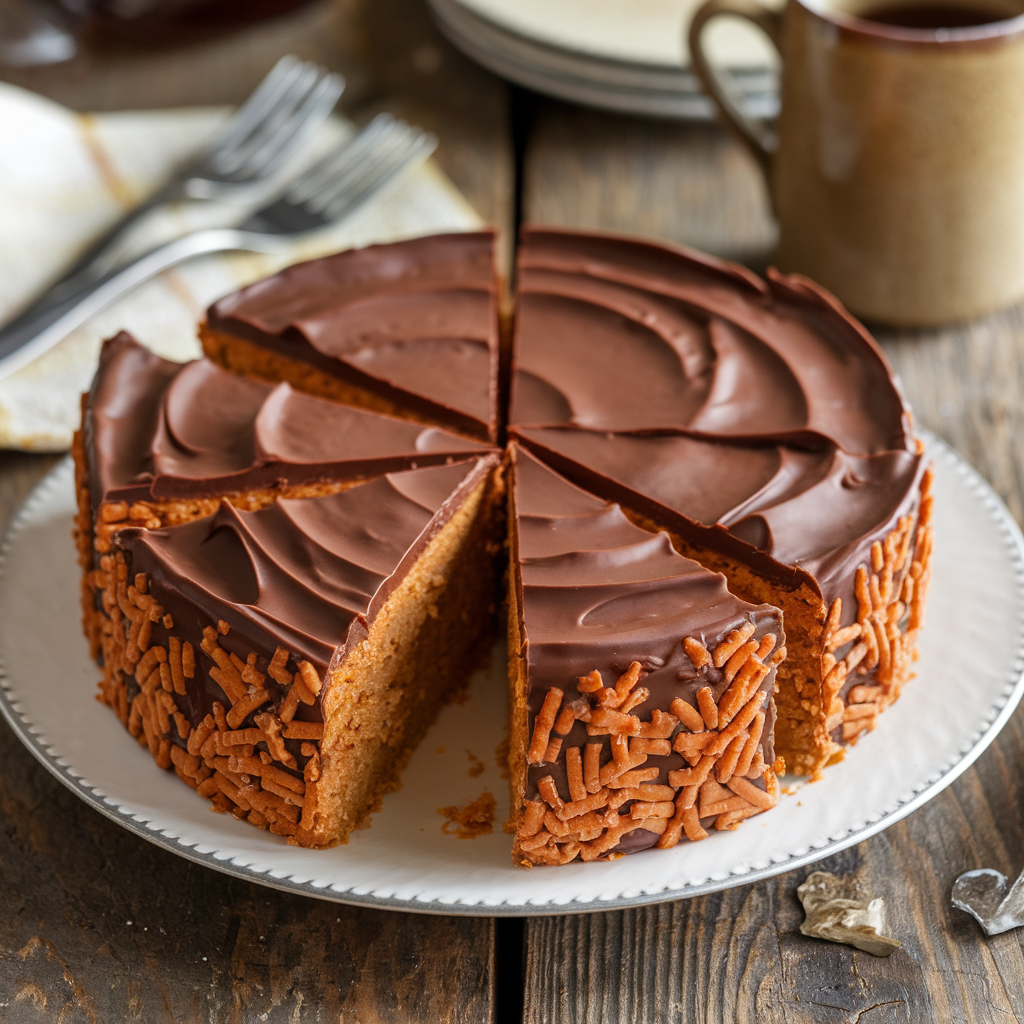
622	55
651	32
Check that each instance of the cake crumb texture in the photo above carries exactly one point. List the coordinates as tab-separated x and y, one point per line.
472	819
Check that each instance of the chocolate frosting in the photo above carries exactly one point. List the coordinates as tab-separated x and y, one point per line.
599	593
818	511
696	345
163	430
309	574
413	321
753	417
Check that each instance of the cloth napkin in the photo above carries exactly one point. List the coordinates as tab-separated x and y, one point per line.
66	177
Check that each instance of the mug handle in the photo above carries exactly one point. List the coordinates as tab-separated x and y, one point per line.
760	141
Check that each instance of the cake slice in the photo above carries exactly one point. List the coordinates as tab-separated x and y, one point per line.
410	328
286	661
163	443
640	688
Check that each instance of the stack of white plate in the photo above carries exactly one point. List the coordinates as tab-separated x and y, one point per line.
624	55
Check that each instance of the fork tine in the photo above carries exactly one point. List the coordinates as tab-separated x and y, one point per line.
371	186
289	116
277	82
279	141
274	119
376	165
340	160
386	174
388	148
334	163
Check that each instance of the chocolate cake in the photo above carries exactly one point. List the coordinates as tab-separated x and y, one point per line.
718	526
409	328
641	697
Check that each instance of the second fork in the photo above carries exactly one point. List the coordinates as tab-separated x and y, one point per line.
378	158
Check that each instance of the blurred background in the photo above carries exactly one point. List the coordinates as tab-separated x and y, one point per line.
395	58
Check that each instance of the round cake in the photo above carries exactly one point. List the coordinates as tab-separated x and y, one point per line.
698	492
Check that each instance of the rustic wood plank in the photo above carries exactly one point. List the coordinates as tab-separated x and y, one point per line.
738	956
965	383
685	183
200	946
397	60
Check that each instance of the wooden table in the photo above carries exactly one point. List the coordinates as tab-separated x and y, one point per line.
98	925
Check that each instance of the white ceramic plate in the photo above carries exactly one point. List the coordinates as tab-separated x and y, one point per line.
970	680
605	55
647	32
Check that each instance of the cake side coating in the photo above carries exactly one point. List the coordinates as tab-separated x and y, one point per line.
644	687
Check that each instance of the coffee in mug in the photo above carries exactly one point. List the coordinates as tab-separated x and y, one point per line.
910	15
896	168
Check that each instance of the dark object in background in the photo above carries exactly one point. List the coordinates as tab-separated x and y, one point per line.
935	15
161	22
33	34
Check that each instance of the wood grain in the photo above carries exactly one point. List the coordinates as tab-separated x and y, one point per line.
686	183
738	956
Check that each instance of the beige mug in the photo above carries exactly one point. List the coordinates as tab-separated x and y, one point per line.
896	168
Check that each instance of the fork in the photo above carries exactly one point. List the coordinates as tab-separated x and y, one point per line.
378	158
274	122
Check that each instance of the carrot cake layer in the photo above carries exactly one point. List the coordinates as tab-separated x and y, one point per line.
286	661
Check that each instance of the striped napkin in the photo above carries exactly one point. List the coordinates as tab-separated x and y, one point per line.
65	177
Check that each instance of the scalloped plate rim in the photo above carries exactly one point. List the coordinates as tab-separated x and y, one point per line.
958	762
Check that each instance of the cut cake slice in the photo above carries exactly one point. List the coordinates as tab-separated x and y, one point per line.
410	328
640	688
163	443
285	661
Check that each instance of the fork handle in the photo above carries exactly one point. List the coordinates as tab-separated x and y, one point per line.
29	337
91	267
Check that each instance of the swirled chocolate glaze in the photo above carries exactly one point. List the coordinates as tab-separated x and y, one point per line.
415	322
620	335
753	417
162	430
308	574
599	593
777	508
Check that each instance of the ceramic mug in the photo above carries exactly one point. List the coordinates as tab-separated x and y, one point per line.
896	169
